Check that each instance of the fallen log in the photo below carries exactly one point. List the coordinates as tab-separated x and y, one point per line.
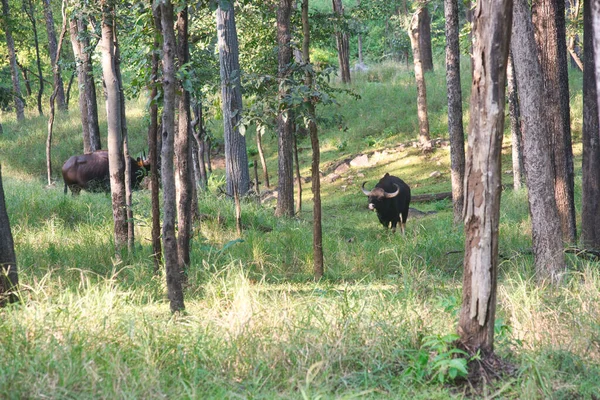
421	198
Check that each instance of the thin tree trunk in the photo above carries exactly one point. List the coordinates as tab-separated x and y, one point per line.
173	269
30	11
25	74
318	267
545	223
549	24
590	187
9	278
455	111
285	198
153	143
261	154
298	177
114	125
12	57
52	47
198	130
413	32
491	39
52	98
236	158
572	42
183	152
515	126
343	43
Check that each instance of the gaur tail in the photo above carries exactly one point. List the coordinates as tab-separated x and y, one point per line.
65	191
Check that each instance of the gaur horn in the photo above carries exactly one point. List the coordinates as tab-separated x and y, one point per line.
365	191
390	195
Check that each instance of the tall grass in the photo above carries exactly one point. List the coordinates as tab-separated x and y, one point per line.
257	326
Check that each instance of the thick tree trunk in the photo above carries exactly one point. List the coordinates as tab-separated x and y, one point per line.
596	33
425	40
590	187
183	151
83	111
549	25
236	157
415	41
114	122
491	41
515	126
455	111
12	58
52	48
285	198
545	222
9	279
30	11
173	269
153	144
343	43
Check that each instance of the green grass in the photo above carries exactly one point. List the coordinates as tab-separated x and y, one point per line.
256	325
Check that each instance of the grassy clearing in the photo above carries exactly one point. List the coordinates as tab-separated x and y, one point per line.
257	326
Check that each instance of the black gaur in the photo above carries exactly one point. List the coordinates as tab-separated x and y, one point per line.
390	198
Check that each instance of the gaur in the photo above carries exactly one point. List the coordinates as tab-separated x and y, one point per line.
390	198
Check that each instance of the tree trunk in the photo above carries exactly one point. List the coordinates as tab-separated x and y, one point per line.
12	57
316	154
590	187
285	198
515	125
491	39
173	269
183	153
298	177
415	40
129	178
455	111
52	99
200	137
30	11
343	43
259	132
9	279
573	39
596	33
153	143
425	39
545	223
114	124
549	27
236	157
52	48
83	111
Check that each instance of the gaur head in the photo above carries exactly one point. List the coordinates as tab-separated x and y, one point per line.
377	195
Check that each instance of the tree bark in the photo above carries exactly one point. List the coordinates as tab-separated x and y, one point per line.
545	223
114	124
298	176
285	198
549	24
83	111
200	137
173	269
259	132
9	278
590	187
153	143
425	39
455	111
491	39
52	48
343	44
236	157
415	41
30	11
183	151
515	126
12	57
